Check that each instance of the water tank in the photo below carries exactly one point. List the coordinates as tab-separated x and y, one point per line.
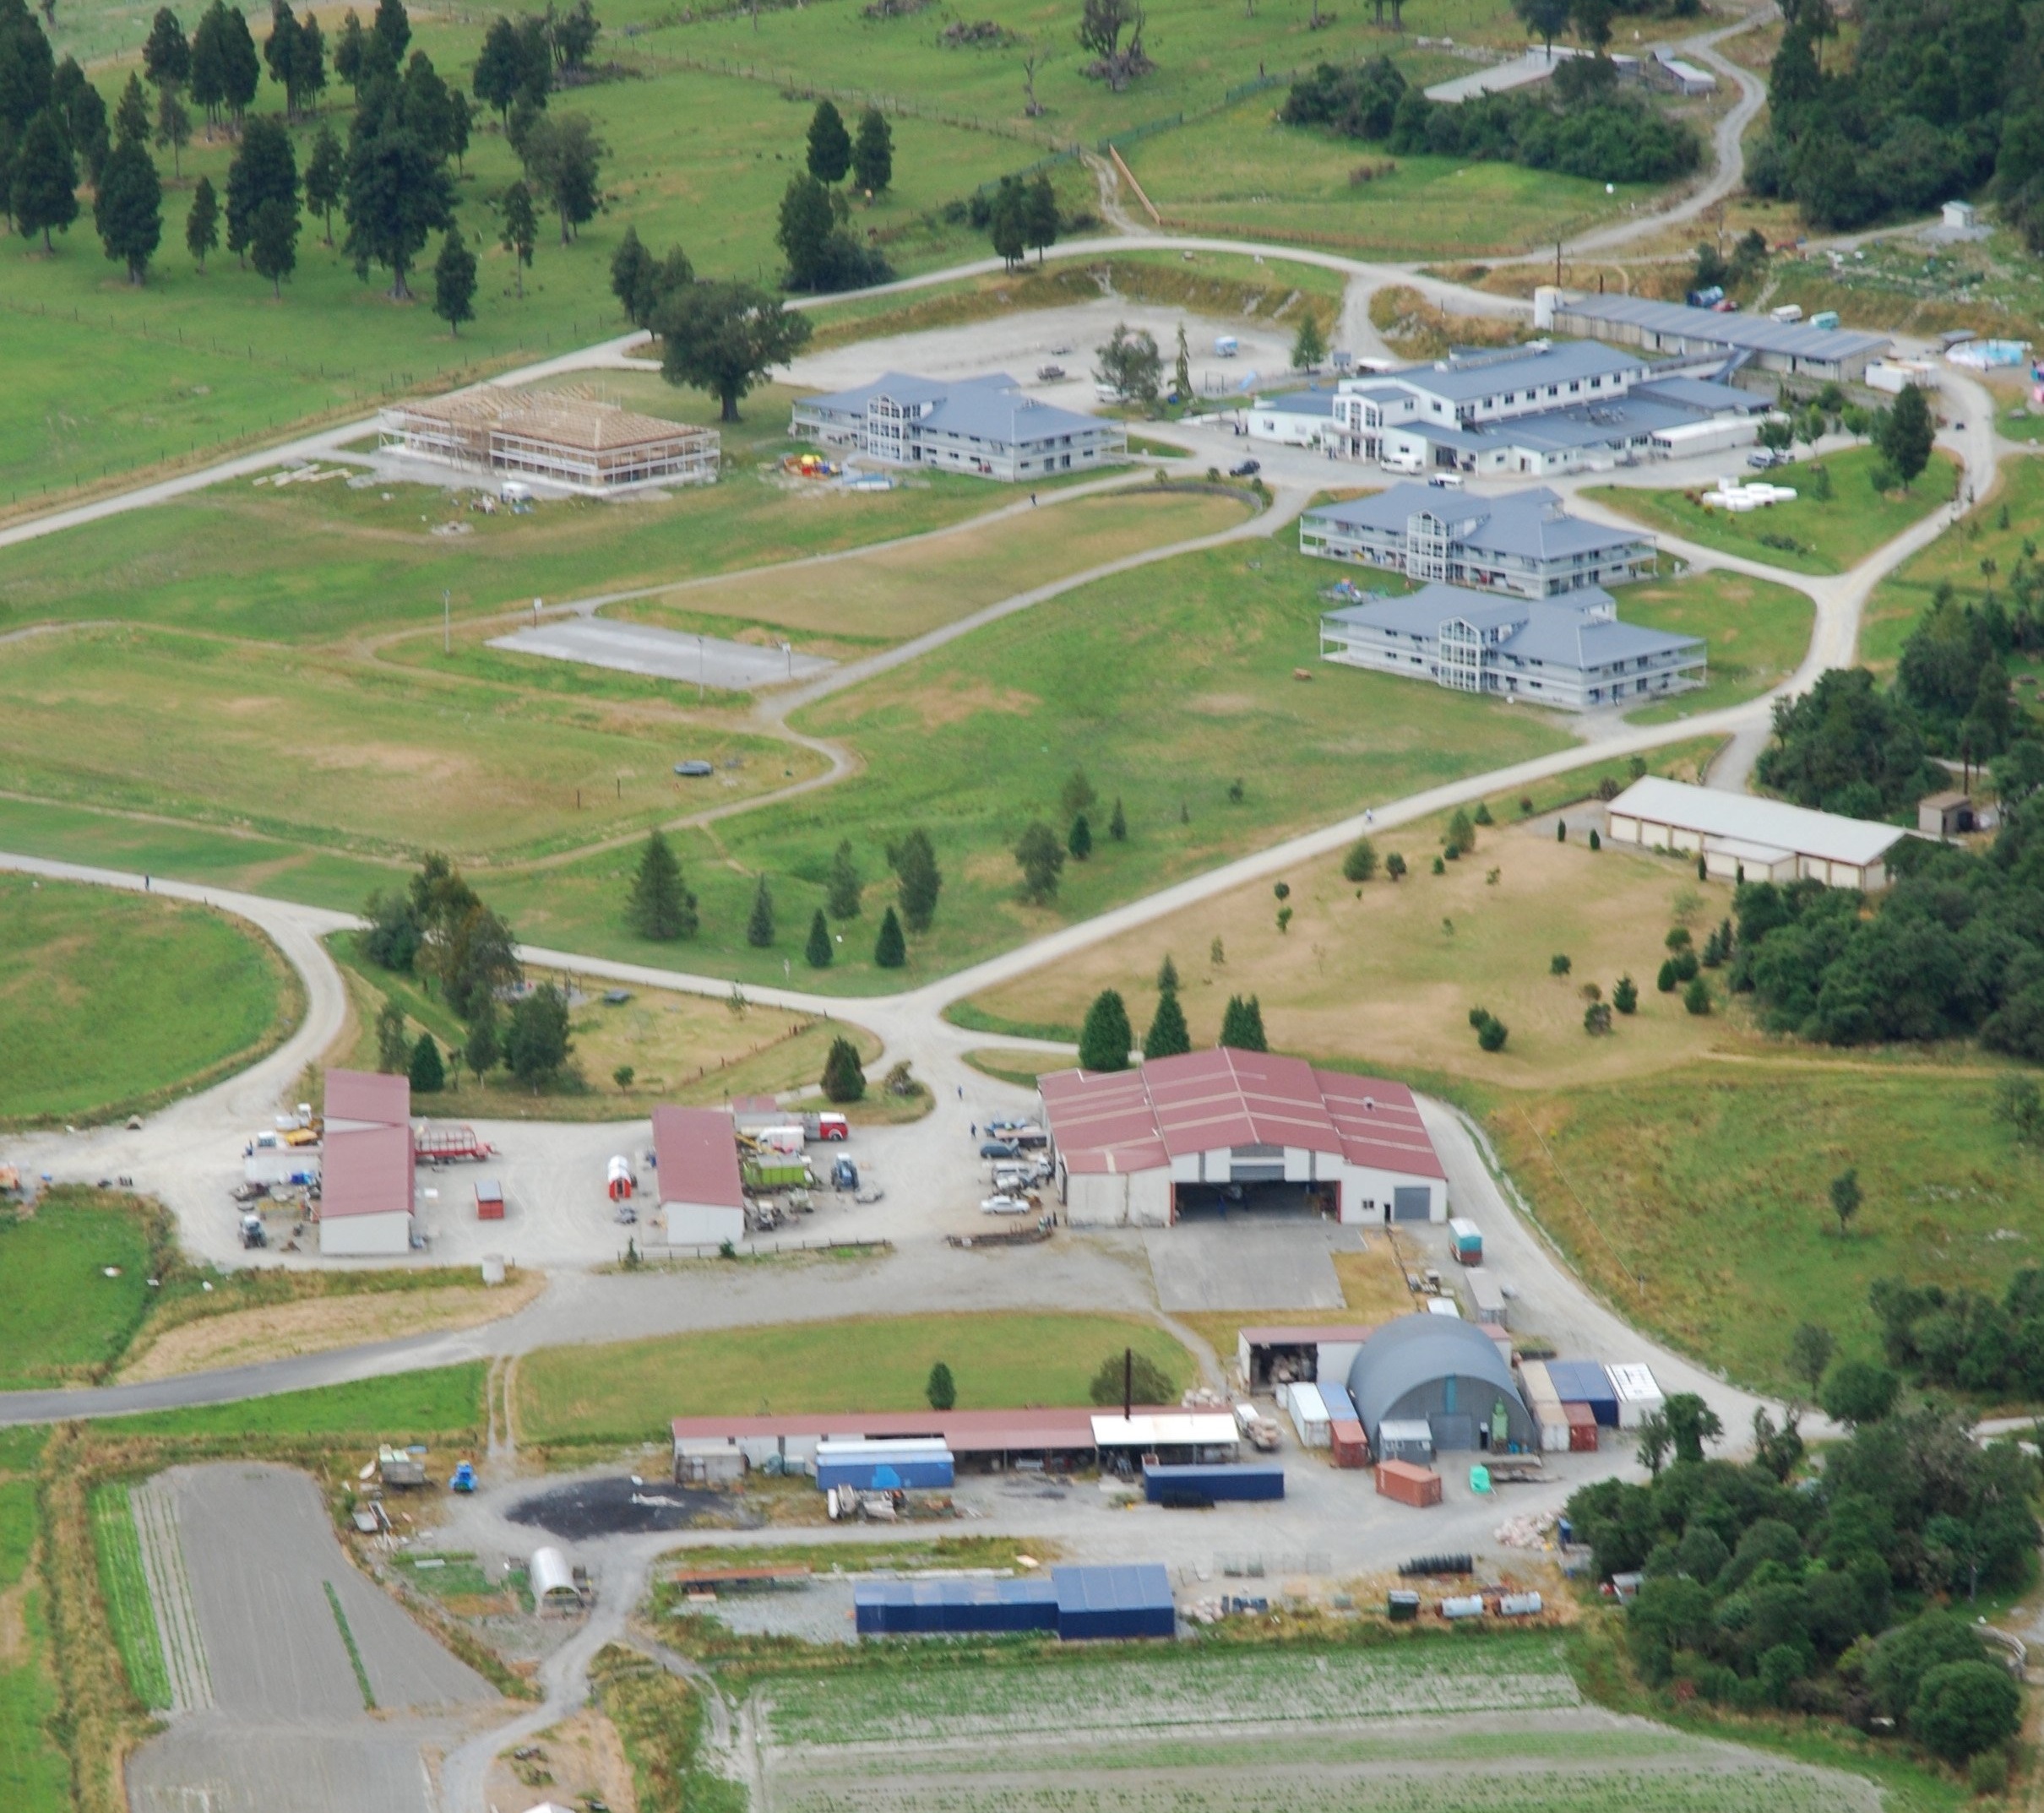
1546	299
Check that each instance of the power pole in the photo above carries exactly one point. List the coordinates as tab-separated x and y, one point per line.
447	624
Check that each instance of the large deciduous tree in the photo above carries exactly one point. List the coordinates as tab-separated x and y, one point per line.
725	337
563	160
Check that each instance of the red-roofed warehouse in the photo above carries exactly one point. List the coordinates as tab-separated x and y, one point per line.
1128	1143
368	1168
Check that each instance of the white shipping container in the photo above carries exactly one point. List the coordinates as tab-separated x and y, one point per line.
1488	1296
1309	1415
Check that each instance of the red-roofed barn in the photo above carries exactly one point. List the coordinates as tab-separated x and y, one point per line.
1128	1143
368	1167
701	1193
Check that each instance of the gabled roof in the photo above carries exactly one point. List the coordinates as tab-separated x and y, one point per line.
696	1151
1741	816
1206	1101
1705	328
1573	630
1528	524
1471	379
993	406
365	1170
365	1097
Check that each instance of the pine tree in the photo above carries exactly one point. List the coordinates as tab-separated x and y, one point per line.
201	223
829	154
173	127
1041	858
1167	976
660	906
817	953
1105	1039
128	209
428	1072
843	888
890	950
759	924
1308	347
914	861
1118	823
166	57
393	1047
1079	840
1242	1026
1040	216
630	265
45	187
131	114
1167	1036
942	1390
844	1077
272	242
454	282
325	176
873	152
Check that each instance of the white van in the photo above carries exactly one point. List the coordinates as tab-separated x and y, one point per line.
1445	480
1225	346
1788	313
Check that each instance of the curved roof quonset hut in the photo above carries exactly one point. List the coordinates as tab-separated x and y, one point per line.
1446	1372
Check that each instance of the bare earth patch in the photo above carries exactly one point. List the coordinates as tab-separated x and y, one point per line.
937	707
244	1338
582	1761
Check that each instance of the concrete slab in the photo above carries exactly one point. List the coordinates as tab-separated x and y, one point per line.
1246	1263
664	654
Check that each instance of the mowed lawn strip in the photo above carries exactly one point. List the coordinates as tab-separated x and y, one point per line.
444	1402
111	999
629	1390
1823	536
1994	531
1697	1199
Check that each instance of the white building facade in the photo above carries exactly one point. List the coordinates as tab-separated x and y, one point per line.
985	426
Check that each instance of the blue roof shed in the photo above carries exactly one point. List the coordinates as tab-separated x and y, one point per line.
1585	1381
1130	1600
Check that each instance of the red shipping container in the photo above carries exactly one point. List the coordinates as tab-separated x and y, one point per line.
1582	1428
1352	1446
1409	1485
489	1201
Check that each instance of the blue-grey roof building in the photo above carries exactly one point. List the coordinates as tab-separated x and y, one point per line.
1446	1373
1674	330
1570	653
986	425
1523	542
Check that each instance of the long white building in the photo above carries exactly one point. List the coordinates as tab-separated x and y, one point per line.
986	425
1523	542
1570	653
1742	837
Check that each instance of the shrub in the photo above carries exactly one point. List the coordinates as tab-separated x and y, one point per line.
844	1077
1965	1708
1666	980
1625	995
1394	865
1596	843
1439	867
1597	1018
1492	1034
1359	863
1559	964
1477	1016
1857	1390
1987	1774
1482	814
1678	938
1561	830
942	1389
1696	998
1687	965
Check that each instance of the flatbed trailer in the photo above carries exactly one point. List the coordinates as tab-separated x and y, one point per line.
450	1145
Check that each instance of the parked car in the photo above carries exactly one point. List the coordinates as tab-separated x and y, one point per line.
1247	469
1006	1205
999	1149
843	1174
695	770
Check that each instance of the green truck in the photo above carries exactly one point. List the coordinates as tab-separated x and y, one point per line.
775	1171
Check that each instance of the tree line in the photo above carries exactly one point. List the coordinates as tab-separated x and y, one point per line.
1954	947
1930	103
814	231
1579	123
1823	1593
437	930
661	906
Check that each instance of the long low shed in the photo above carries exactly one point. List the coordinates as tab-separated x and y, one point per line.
1266	1356
1055	1437
1079	1603
884	1466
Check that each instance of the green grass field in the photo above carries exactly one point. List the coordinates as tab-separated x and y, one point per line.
1958	557
67	1321
629	1390
35	1777
445	1402
1757	632
125	1589
1242	174
112	1000
1695	1200
1826	537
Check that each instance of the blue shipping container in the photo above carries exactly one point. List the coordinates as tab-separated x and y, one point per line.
1340	1406
1133	1600
1585	1381
1254	1481
885	1470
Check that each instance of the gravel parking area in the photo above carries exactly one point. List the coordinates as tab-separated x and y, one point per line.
1246	1262
664	654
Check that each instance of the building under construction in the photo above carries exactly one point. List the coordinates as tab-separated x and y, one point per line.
562	439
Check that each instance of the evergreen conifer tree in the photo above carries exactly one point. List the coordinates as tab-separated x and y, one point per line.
829	150
1167	1036
1241	1025
759	924
844	1077
660	906
454	282
201	223
1117	823
817	953
1105	1039
890	950
44	190
1080	841
428	1072
843	888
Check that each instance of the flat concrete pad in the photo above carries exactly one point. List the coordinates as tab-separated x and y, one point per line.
1246	1263
288	1732
664	654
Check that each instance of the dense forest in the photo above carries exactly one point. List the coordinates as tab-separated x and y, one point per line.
1579	124
1937	99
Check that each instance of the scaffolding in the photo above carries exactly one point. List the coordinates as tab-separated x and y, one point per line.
578	442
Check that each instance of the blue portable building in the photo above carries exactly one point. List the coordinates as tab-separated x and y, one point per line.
907	1463
1585	1381
1258	1480
1130	1600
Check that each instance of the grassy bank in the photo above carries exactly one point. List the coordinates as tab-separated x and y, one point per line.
114	1002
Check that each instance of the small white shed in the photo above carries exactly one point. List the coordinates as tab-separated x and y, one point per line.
551	1580
1638	1396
